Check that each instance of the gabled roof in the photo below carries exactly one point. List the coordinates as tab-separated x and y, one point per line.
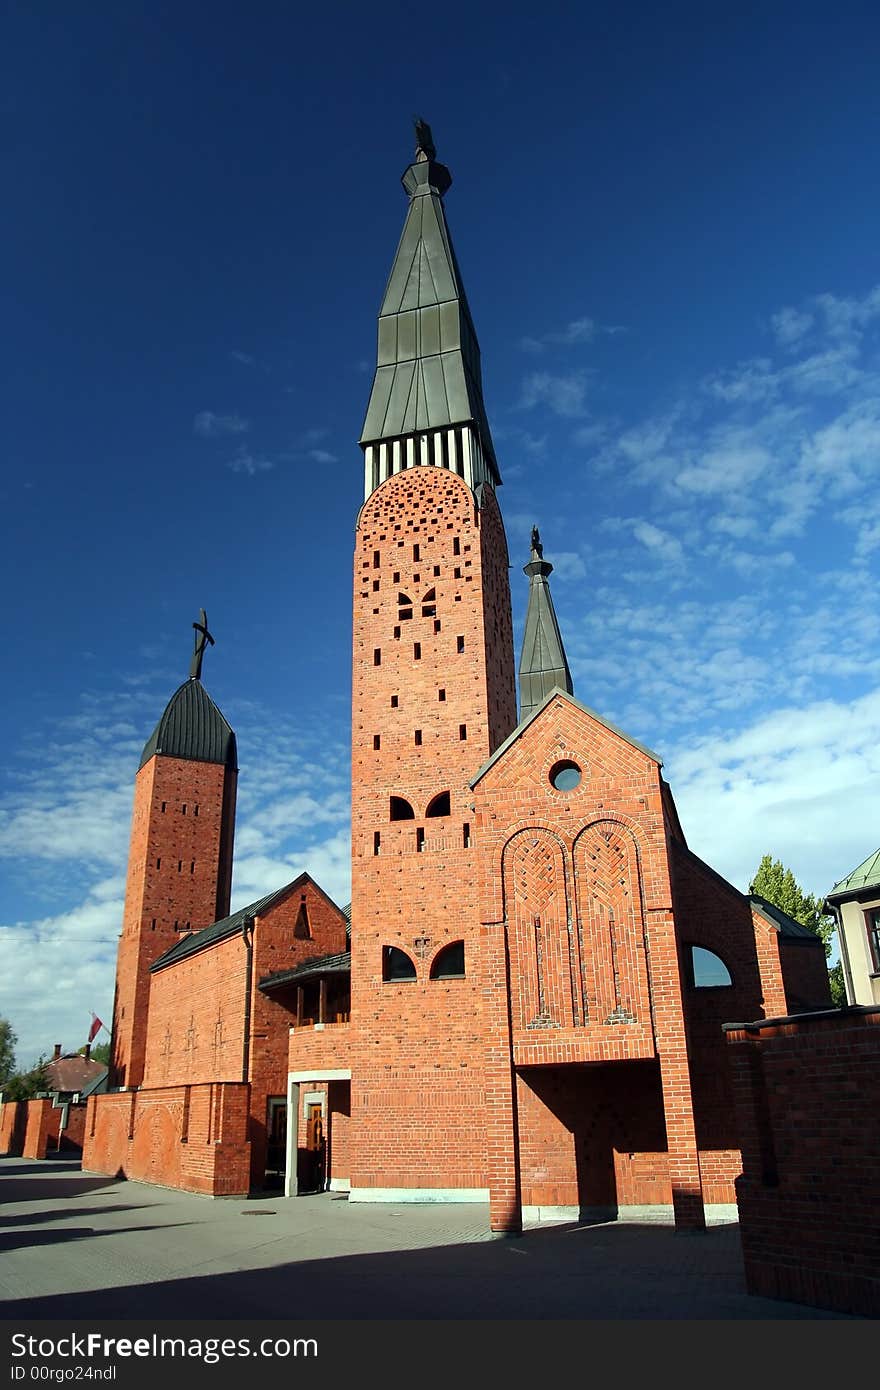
785	925
192	727
862	879
74	1072
525	723
339	964
232	926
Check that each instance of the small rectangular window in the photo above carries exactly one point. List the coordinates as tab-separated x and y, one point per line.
375	586
394	701
436	571
417	651
872	925
436	624
377	656
462	732
158	863
466	835
457	572
376	742
192	866
195	810
183	808
418	738
416	551
456	546
395	578
420	840
441	694
397	633
459	644
375	559
377	842
163	807
179	865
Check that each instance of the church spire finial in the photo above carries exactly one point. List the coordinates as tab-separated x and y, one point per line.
202	638
425	148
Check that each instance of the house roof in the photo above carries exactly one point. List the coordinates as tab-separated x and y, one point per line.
866	876
327	965
785	925
521	728
232	926
74	1072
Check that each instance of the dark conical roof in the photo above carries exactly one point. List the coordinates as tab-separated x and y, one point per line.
192	727
543	666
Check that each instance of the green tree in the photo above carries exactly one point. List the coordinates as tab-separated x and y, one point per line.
8	1039
28	1084
779	886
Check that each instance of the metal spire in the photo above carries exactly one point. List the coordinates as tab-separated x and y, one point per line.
543	665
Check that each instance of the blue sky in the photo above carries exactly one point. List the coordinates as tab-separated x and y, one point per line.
667	223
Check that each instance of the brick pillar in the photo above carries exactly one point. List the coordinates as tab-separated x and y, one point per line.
502	1139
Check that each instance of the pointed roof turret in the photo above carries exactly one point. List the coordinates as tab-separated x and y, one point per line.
192	726
428	374
543	665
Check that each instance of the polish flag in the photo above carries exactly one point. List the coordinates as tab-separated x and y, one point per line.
96	1027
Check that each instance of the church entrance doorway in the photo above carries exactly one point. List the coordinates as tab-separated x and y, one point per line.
312	1156
276	1141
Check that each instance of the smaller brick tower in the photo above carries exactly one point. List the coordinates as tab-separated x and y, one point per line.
180	855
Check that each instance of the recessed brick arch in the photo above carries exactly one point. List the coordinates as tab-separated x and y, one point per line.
611	923
542	969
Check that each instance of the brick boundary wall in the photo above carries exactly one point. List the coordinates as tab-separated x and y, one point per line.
42	1127
808	1111
190	1137
13	1118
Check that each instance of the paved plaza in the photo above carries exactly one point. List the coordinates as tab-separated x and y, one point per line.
74	1244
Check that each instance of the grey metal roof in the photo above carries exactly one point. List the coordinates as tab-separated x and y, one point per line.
865	877
192	727
524	724
787	926
543	664
428	373
339	964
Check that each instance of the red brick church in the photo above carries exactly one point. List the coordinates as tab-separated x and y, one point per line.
523	1004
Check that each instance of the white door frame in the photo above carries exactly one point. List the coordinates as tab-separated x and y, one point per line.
295	1080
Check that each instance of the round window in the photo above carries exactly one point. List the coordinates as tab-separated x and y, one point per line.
565	776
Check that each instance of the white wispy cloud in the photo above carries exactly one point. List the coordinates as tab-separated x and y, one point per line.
576	332
244	460
210	425
562	393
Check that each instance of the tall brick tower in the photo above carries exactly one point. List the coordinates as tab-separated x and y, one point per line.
180	856
434	694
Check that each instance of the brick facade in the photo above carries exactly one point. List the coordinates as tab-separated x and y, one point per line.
179	876
808	1117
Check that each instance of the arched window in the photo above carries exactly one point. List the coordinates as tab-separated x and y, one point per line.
706	970
429	604
396	964
400	809
448	964
404	604
438	805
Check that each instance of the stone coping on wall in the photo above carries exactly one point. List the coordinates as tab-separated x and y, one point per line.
869	1012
